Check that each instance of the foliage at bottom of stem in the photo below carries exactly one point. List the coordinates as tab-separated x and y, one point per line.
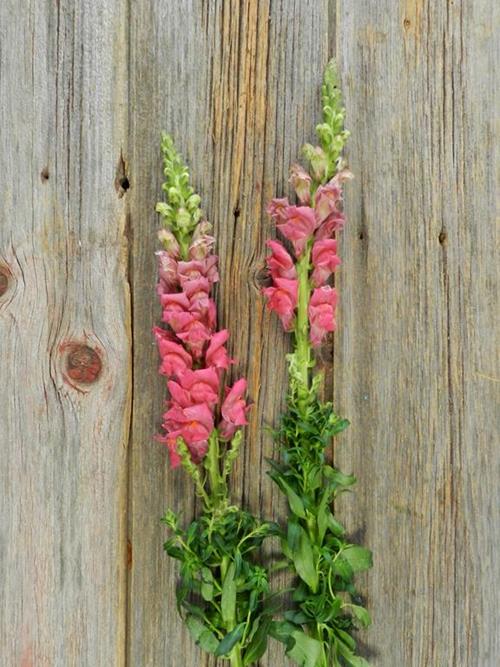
223	593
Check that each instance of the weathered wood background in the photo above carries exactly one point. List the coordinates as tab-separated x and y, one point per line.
85	88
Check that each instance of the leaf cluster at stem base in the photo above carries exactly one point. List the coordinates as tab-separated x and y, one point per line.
223	593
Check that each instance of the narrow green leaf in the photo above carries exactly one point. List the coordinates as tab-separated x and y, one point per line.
201	634
258	645
230	640
335	526
302	555
228	598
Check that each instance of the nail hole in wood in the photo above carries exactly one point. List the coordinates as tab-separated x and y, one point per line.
443	238
406	24
124	183
44	174
83	364
361	236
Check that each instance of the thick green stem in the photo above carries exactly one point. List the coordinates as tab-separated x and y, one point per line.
302	344
236	657
218	488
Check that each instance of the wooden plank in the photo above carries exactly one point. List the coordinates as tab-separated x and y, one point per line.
63	251
237	84
416	364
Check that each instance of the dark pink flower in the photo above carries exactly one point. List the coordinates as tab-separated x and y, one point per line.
324	260
197	292
301	183
334	223
195	422
299	226
198	386
174	358
277	209
234	409
279	262
282	298
216	354
175	302
191	330
167	273
322	313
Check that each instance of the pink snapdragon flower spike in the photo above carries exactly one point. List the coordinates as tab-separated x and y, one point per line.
193	353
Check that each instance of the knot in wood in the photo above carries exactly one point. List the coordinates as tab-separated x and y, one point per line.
4	281
83	364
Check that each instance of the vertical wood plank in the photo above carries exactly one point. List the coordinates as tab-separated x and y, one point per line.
415	361
237	84
64	254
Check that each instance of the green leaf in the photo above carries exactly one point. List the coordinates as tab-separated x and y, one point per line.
228	598
173	550
361	614
335	527
338	478
295	502
282	630
349	657
305	650
359	558
342	568
204	637
258	645
301	553
230	640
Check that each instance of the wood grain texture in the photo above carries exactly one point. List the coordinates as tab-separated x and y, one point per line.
63	442
416	357
85	90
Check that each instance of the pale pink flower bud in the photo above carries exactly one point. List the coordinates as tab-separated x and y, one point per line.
301	183
277	209
169	242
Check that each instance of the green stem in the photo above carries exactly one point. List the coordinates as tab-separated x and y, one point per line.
236	657
302	344
218	487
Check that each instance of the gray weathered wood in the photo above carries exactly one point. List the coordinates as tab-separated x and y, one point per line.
63	246
416	357
85	90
